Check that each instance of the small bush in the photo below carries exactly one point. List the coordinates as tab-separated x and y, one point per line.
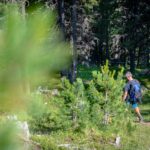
105	95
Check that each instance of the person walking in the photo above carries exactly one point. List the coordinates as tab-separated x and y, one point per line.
132	94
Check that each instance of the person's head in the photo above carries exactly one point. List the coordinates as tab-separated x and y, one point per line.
129	76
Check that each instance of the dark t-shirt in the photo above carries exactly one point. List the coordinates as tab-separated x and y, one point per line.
127	87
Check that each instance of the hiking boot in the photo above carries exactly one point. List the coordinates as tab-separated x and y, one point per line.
141	120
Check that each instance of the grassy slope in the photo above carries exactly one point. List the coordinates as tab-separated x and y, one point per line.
140	140
94	140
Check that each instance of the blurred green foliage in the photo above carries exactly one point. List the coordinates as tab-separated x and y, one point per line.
31	49
8	136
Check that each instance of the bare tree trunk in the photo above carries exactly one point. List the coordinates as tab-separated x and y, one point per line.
61	16
138	57
148	56
148	49
61	20
133	5
74	40
22	8
132	60
106	113
107	37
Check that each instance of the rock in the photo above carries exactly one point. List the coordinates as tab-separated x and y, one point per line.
117	141
55	92
69	146
64	145
24	129
12	118
23	133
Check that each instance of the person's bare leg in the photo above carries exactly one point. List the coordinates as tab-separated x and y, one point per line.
137	110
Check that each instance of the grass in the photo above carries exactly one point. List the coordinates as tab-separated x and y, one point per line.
86	73
140	140
141	137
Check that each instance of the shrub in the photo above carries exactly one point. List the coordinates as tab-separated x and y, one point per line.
106	106
52	118
76	103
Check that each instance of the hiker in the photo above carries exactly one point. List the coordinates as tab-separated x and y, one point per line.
132	94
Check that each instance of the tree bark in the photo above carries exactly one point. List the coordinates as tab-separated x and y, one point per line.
132	33
132	60
138	57
74	40
61	16
107	35
23	9
148	58
61	21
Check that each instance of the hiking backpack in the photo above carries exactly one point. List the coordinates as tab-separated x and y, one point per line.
135	91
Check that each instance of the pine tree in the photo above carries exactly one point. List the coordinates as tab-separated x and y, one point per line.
105	95
76	103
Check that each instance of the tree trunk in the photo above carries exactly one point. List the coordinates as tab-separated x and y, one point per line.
61	21
61	16
138	57
107	35
132	60
132	33
147	57
74	40
148	49
23	8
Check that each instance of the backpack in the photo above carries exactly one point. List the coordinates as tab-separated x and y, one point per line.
135	92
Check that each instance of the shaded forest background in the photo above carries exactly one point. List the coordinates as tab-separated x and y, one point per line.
117	30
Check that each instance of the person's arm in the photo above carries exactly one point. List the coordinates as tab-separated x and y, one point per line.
125	95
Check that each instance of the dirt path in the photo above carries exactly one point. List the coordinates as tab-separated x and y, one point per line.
144	123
